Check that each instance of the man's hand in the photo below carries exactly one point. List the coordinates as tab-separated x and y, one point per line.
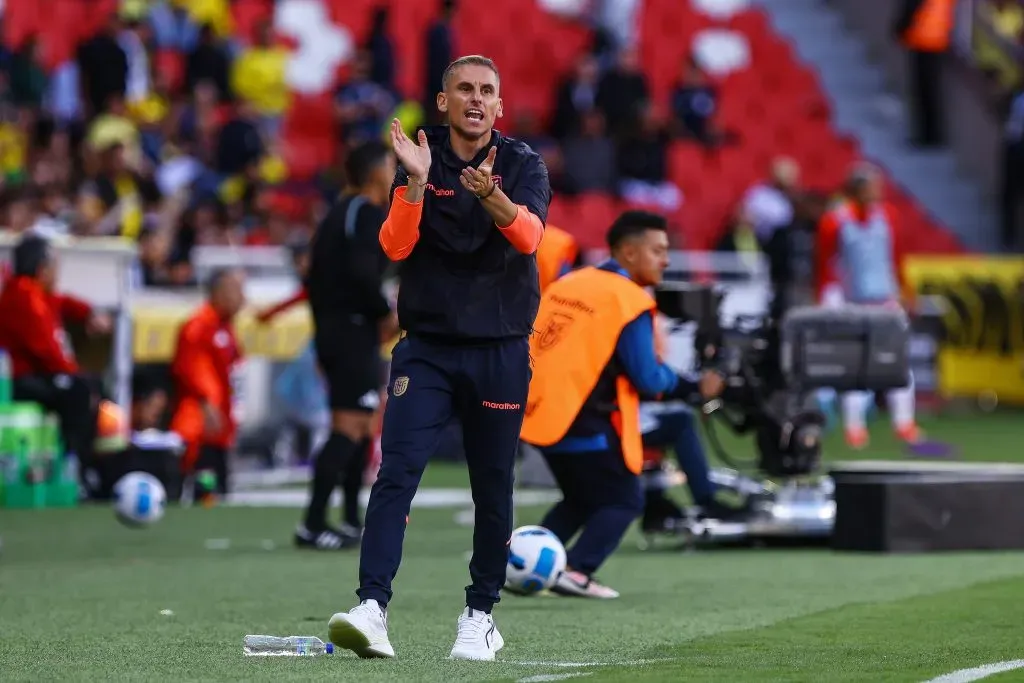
711	385
414	157
478	180
99	323
212	421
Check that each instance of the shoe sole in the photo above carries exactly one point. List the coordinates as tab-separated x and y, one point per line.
342	633
497	648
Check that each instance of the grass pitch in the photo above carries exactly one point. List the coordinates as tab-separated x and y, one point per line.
82	598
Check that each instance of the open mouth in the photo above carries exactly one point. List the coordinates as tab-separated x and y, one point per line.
474	115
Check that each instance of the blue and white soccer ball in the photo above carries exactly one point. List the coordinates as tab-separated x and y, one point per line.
535	559
139	499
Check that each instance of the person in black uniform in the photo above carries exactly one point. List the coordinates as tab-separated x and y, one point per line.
466	217
350	318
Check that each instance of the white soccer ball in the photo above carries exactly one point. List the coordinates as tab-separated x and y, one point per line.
535	559
139	499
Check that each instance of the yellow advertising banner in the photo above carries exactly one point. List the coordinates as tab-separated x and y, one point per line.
156	331
983	321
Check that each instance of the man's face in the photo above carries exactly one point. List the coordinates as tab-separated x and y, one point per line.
229	297
870	190
471	101
647	257
47	275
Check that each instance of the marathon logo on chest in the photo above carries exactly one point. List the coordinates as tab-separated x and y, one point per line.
440	191
444	192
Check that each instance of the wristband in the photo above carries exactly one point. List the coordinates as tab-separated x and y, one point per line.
489	193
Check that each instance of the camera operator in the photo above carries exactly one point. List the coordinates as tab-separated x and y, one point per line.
860	263
594	356
675	428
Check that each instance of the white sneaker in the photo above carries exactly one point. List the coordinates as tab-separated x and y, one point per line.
477	637
363	629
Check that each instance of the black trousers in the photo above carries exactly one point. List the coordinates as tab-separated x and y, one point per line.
926	98
75	400
1011	196
485	386
600	499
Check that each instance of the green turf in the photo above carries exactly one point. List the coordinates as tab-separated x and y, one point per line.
80	599
975	437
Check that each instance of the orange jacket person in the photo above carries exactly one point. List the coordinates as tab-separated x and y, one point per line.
924	27
43	364
594	356
205	359
556	255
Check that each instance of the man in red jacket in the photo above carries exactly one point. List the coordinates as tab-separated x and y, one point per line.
204	370
43	364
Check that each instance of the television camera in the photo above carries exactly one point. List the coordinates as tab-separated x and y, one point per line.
774	368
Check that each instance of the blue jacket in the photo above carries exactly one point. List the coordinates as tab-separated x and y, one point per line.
464	281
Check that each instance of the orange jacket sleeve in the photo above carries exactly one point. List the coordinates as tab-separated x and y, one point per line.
401	229
828	236
71	308
524	232
192	367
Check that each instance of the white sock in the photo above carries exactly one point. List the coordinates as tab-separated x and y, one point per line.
855	408
901	405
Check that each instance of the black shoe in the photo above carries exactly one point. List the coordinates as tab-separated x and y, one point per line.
325	539
661	516
354	531
717	510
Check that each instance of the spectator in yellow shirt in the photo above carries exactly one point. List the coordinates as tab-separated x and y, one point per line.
258	77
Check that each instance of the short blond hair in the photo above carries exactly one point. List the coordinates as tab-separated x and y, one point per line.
469	60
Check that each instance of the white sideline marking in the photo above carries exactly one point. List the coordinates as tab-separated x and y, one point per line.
979	672
425	498
581	665
543	678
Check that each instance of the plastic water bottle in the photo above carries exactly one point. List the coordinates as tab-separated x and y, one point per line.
285	646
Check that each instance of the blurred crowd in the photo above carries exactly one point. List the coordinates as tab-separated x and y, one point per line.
114	143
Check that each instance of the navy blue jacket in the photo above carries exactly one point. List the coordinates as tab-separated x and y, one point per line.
464	282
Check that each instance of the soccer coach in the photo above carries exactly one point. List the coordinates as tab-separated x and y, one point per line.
466	217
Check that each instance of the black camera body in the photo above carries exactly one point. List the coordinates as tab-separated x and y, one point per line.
775	366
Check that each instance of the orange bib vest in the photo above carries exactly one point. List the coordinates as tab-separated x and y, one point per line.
931	26
578	326
557	248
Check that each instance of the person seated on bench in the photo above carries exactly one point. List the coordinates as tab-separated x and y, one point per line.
43	364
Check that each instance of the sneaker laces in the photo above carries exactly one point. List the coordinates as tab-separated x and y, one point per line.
374	614
472	629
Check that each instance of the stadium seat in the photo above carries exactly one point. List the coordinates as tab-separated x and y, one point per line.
777	106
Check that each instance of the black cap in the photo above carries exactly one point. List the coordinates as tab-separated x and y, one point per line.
31	254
